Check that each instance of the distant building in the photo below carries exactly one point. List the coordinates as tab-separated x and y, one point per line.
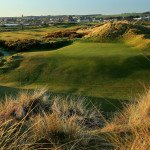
147	18
137	19
11	25
69	19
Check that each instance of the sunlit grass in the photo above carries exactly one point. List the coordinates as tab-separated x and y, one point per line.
88	69
68	123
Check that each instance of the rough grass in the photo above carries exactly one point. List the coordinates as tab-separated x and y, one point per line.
32	120
140	41
71	34
37	34
70	124
109	31
135	35
130	128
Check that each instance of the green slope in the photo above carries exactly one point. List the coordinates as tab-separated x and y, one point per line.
92	69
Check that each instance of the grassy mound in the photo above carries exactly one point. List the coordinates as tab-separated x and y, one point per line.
122	31
109	31
138	38
82	68
35	120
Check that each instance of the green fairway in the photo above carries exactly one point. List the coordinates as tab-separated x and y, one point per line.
110	70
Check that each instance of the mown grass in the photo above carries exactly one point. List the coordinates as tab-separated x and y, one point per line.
110	70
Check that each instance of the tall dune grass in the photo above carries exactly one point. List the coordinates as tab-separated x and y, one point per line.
130	129
134	35
34	120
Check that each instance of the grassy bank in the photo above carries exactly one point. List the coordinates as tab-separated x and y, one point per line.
111	70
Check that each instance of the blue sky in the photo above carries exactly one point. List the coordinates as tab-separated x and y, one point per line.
57	7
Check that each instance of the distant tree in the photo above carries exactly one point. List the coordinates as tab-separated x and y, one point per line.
146	13
130	17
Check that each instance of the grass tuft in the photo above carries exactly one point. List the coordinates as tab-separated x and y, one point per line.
69	123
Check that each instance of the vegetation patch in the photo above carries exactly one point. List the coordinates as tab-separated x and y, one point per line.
71	34
121	31
31	44
36	120
45	122
1	54
9	63
129	129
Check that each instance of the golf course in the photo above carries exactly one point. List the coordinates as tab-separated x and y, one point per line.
110	70
113	70
75	87
74	75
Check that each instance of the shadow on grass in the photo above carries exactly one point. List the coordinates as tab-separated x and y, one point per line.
104	104
51	46
116	68
10	64
7	91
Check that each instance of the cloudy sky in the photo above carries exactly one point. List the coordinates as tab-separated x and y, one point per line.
60	7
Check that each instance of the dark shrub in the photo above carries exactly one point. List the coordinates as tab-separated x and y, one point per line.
26	45
2	43
71	34
1	54
22	45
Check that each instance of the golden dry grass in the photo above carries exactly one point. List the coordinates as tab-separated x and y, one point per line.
131	129
32	121
137	40
26	102
109	30
134	35
67	123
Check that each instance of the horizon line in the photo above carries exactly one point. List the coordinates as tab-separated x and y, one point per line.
78	14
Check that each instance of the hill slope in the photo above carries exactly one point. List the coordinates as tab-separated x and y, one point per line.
102	70
135	35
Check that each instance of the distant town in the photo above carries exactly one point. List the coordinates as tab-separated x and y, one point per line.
48	20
